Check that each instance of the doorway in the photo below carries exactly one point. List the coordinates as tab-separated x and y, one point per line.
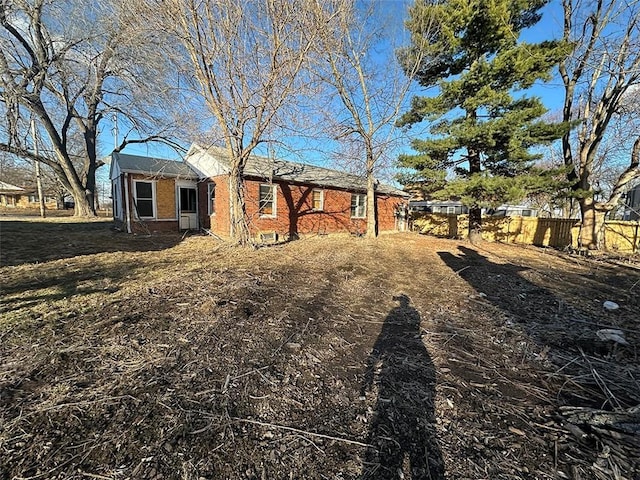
188	208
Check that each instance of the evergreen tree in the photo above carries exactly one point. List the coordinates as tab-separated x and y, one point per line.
470	51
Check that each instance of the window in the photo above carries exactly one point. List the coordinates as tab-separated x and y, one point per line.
358	205
211	195
267	200
317	200
144	201
188	200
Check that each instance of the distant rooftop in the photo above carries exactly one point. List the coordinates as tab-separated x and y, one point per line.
8	188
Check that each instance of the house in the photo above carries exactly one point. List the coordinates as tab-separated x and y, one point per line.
513	211
10	195
632	204
17	197
449	207
283	199
455	207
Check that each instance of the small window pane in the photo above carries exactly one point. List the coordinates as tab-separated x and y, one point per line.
212	198
144	190
188	200
144	199
317	200
266	199
145	207
358	205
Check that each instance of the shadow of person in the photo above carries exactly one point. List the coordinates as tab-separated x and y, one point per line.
402	433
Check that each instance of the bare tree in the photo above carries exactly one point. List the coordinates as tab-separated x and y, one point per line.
597	77
356	59
68	65
246	57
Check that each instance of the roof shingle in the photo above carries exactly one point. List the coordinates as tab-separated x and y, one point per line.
153	166
268	168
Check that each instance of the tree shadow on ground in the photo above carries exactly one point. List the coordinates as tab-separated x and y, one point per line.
585	372
550	321
402	433
36	241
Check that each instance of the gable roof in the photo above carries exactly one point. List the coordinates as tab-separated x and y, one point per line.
291	172
7	188
152	166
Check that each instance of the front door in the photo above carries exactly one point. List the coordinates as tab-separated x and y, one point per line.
188	208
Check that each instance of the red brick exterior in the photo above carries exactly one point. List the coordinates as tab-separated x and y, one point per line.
294	214
218	222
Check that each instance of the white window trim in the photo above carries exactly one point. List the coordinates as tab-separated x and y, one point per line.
274	200
209	185
321	209
358	204
153	197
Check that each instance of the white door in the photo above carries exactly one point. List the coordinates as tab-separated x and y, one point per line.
188	208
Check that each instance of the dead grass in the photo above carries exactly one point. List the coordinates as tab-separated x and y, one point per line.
128	357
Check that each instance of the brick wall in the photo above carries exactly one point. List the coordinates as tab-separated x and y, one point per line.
219	221
22	201
166	198
154	226
295	214
387	207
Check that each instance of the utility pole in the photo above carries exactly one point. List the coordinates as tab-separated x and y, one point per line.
43	213
115	131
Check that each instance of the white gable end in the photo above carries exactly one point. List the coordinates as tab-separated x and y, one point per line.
114	167
205	164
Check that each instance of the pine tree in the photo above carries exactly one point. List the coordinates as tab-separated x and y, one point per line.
478	127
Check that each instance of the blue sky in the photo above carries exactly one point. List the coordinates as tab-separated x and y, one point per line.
551	93
548	28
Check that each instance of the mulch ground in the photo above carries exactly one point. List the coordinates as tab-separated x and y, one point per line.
326	358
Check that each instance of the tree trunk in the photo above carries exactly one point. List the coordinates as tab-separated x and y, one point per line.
592	224
90	136
238	217
475	225
83	204
475	212
372	213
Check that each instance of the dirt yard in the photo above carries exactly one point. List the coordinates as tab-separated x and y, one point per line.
126	357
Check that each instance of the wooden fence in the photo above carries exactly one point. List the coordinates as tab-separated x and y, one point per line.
553	232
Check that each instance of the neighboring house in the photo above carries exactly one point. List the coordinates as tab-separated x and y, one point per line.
455	207
632	204
449	207
10	195
513	211
17	197
283	199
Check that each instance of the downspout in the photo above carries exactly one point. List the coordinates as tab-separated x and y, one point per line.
126	202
